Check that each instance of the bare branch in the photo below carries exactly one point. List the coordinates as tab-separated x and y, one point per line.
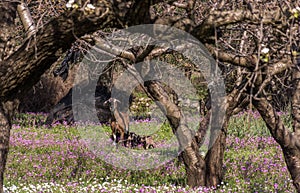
221	18
242	61
278	67
26	19
118	51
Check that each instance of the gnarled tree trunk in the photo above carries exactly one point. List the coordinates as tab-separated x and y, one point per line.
200	171
289	141
5	127
193	161
21	69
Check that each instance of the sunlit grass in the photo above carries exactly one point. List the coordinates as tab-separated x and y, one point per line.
56	159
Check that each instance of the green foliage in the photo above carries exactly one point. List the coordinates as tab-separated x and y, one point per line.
164	132
140	107
249	124
29	119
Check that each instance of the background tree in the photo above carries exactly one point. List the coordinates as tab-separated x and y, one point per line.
254	43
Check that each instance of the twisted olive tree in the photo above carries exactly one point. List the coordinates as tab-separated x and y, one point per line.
254	43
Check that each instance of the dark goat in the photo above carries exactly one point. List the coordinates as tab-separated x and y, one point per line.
132	140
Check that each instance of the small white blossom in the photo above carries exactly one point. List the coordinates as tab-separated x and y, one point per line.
70	3
265	51
90	6
202	153
294	10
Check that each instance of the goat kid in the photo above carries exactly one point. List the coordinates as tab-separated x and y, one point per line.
148	142
132	139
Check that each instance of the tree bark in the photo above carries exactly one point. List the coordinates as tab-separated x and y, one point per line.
7	15
4	145
287	140
5	126
193	161
214	160
296	97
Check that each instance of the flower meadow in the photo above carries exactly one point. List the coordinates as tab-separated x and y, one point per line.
54	159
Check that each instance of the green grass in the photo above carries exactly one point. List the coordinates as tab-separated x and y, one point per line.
38	155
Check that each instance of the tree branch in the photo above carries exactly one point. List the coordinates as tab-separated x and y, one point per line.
221	18
242	61
25	66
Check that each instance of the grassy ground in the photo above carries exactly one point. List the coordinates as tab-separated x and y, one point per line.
58	160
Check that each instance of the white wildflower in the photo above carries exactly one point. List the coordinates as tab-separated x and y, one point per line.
70	3
90	6
202	153
265	50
